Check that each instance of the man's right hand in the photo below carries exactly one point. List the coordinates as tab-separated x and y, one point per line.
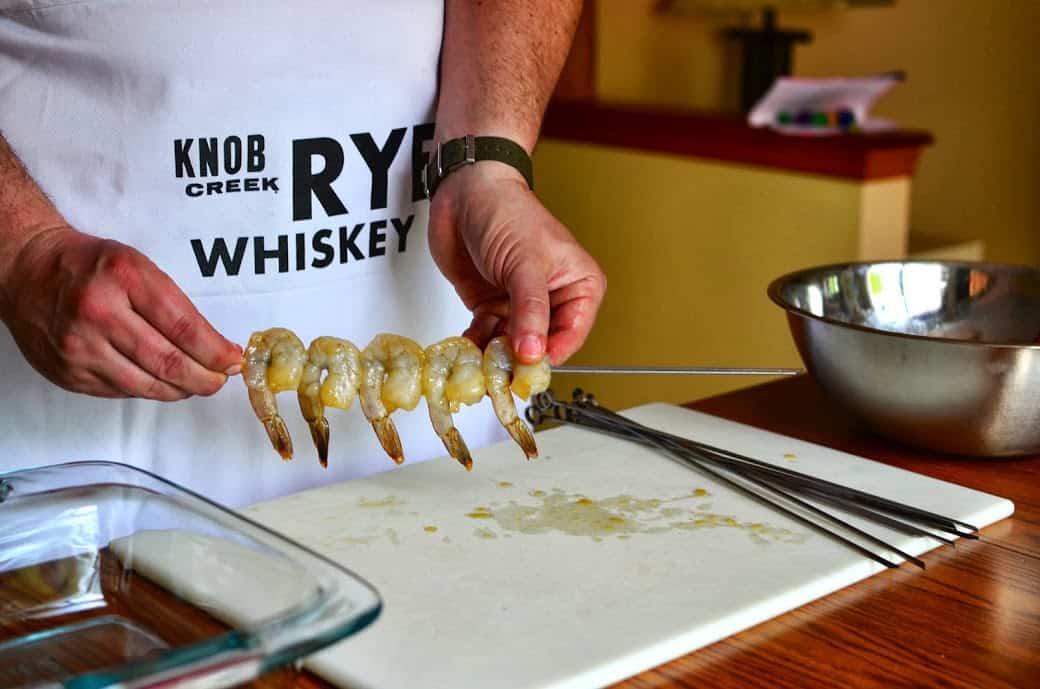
97	317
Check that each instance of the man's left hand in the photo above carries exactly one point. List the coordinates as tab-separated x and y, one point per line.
515	266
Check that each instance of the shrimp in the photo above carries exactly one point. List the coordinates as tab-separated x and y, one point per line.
391	379
526	379
272	363
452	376
342	360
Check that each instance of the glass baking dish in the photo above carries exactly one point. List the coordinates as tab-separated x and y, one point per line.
113	576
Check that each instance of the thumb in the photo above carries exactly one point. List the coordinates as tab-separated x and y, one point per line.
528	311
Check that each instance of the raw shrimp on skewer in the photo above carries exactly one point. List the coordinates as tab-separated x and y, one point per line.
500	372
272	363
391	379
342	360
452	376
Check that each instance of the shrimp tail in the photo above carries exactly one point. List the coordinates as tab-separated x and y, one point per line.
279	436
523	437
320	433
388	438
266	410
314	414
456	447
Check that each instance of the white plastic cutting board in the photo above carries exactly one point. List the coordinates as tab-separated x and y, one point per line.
590	564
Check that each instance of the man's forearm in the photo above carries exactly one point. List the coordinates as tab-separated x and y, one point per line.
24	209
499	65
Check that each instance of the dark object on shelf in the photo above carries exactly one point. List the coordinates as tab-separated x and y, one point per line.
767	51
767	54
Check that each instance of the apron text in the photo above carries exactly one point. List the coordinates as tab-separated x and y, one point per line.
302	251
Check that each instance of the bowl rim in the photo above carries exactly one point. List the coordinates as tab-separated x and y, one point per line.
775	286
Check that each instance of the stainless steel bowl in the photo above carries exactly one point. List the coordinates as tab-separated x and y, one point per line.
937	354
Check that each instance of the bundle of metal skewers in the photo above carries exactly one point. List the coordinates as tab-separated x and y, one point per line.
795	494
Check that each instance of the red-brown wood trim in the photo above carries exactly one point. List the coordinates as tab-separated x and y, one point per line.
729	138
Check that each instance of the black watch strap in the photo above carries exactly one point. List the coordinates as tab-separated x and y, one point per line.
467	150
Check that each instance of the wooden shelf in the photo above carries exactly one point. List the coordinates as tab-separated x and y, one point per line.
728	138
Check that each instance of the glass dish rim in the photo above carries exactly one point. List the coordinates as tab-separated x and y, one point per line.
225	651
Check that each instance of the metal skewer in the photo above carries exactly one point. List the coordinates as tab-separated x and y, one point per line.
684	456
856	500
844	494
680	370
765	482
775	488
879	517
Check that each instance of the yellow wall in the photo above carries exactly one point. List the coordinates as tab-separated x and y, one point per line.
645	57
974	83
689	248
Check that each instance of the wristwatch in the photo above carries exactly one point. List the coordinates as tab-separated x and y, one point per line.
453	154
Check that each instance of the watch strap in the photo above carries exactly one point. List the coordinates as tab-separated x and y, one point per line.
453	154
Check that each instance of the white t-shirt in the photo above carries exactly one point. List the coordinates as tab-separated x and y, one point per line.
263	153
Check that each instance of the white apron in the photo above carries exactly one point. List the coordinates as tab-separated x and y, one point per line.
263	154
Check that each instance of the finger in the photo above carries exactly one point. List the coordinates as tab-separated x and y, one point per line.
482	328
570	326
56	367
574	313
99	388
142	344
528	311
127	377
89	383
162	303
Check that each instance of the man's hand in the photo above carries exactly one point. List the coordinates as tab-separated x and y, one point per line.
514	265
97	317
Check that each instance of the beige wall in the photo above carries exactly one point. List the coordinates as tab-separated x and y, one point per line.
689	247
974	83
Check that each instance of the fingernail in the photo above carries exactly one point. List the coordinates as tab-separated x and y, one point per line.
530	347
233	370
